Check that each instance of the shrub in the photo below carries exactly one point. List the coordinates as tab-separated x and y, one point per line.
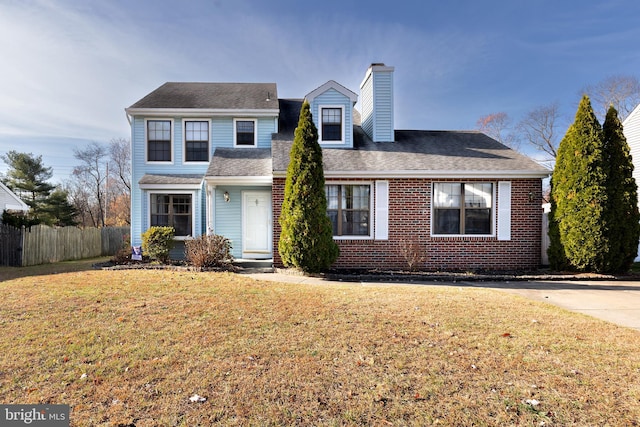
412	253
208	251
157	242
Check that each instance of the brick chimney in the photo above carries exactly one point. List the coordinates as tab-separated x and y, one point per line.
376	95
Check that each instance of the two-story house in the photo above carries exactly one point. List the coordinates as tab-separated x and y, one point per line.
212	157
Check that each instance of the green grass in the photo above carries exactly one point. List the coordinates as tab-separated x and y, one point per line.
131	347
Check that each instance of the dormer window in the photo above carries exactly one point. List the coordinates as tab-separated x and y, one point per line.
332	129
245	133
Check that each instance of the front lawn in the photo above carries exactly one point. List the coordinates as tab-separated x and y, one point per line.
131	347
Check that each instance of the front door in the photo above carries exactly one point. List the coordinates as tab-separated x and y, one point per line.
256	225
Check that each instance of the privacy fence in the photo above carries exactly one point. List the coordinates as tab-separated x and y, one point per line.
41	244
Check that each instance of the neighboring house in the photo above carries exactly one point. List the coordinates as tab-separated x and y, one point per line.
631	131
212	157
10	202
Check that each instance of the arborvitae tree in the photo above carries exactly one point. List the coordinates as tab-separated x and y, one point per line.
306	240
579	196
622	216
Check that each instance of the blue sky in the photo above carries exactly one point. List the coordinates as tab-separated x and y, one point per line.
69	68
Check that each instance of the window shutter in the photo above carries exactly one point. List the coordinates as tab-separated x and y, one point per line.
382	210
504	210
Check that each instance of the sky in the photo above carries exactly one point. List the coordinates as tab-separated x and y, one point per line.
69	68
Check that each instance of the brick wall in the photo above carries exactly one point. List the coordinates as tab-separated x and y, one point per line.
409	221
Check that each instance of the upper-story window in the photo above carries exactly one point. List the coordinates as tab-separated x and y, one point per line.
462	208
245	133
331	127
196	141
159	140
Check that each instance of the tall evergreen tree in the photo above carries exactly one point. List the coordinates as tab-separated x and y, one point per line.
622	216
577	229
306	238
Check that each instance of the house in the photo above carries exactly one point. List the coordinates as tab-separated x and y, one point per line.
9	201
631	131
212	157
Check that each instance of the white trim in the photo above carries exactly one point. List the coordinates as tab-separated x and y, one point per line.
332	84
200	112
503	227
257	254
239	180
193	210
371	209
494	189
511	174
184	141
21	206
235	132
172	187
381	215
146	140
342	127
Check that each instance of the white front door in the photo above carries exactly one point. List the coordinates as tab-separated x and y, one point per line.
256	225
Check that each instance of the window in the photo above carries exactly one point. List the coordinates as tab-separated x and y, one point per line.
172	210
159	140
245	133
331	124
462	208
196	141
348	208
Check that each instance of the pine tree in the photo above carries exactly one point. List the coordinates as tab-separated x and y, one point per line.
622	216
306	238
577	230
27	177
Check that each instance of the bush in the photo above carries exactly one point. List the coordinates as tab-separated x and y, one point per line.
412	253
208	251
157	242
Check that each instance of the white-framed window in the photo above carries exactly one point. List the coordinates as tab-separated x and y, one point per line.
245	133
159	140
172	210
331	124
196	140
349	209
463	208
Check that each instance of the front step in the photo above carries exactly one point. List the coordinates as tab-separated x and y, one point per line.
248	266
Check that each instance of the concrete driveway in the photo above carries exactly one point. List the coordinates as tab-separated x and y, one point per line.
614	301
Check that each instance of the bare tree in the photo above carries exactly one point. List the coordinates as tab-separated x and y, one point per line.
498	127
539	128
621	91
92	172
120	161
119	182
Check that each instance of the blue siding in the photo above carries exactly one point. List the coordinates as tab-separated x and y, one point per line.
377	106
228	220
222	135
334	98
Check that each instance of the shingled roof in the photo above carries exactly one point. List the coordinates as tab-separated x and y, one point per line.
419	153
236	162
211	96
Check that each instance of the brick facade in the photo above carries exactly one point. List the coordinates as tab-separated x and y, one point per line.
409	221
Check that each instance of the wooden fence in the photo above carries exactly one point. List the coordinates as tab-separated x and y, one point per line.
41	244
